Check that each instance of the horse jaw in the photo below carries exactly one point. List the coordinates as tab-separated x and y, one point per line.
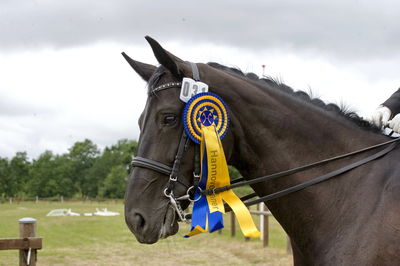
170	223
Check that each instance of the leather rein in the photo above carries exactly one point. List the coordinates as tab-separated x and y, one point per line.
173	172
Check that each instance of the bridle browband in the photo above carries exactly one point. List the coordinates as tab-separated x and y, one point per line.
166	86
173	171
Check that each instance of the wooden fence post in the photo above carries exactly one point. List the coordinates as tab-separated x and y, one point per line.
233	223
264	225
27	228
261	209
27	244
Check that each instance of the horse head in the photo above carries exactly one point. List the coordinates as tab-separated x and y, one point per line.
148	210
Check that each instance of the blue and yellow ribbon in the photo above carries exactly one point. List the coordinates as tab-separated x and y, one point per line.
206	122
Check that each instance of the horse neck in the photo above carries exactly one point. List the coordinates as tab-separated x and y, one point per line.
274	131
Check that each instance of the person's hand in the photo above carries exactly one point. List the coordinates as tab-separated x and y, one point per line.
395	123
381	116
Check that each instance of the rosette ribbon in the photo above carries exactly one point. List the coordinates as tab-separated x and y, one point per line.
206	122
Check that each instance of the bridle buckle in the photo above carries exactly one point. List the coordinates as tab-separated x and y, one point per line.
173	178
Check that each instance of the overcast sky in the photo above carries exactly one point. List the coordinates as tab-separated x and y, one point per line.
62	78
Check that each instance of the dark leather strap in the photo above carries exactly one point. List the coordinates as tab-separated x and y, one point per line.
158	167
195	71
197	167
295	170
179	154
151	164
162	168
319	179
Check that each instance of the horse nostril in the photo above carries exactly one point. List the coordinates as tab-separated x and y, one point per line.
138	221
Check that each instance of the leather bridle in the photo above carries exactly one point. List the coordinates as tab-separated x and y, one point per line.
184	143
173	171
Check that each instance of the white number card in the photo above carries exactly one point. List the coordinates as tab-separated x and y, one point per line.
190	88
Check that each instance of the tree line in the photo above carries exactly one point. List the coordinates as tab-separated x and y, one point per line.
84	171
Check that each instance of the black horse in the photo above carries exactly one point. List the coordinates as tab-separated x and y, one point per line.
352	219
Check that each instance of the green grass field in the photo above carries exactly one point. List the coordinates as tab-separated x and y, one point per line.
108	241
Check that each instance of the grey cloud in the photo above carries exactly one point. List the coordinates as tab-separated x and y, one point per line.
57	133
12	107
341	29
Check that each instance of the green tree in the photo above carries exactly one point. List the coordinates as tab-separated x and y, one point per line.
51	175
63	173
83	156
115	183
80	171
19	173
117	155
42	182
13	175
4	178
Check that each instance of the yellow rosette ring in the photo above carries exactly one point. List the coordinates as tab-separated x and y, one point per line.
205	109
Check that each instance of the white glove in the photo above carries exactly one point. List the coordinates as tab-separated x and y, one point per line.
381	116
395	123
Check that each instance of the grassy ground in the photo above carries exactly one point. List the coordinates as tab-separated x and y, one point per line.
107	240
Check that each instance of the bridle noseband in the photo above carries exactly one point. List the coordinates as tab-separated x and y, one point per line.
151	164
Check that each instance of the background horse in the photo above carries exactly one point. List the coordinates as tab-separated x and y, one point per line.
352	219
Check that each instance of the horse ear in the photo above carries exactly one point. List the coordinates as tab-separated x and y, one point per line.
144	70
174	64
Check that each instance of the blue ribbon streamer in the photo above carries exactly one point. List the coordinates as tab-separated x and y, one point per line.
201	210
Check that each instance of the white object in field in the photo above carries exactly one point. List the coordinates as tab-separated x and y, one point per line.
105	212
87	214
57	212
70	213
62	212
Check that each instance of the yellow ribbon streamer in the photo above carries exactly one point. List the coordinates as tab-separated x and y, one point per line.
218	176
197	230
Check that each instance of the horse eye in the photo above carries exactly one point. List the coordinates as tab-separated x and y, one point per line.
170	119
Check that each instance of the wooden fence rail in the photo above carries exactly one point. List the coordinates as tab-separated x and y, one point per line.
27	244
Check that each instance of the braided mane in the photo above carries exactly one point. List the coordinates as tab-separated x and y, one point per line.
343	111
